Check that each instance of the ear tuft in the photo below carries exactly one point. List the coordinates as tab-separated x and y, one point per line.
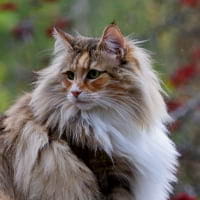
113	22
63	40
113	41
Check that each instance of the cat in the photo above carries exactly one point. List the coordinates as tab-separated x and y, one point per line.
93	128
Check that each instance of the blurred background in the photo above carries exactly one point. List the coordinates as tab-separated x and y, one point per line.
170	29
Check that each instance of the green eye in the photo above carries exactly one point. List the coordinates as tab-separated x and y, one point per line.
70	75
93	74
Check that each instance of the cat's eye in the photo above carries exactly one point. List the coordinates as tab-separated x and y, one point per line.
70	75
93	74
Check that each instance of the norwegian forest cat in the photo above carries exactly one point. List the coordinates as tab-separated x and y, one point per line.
93	128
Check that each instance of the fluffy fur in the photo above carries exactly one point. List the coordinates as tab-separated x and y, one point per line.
110	142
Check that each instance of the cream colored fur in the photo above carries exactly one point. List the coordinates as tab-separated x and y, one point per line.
49	170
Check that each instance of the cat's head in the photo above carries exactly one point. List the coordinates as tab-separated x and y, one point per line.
91	75
109	73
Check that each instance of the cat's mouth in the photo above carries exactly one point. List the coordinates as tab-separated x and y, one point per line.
79	101
81	104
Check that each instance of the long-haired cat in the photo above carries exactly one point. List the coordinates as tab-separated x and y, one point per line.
92	129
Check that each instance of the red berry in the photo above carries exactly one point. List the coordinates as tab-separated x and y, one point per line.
183	196
8	6
183	74
191	3
172	105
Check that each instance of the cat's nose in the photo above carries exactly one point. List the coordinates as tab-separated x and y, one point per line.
76	93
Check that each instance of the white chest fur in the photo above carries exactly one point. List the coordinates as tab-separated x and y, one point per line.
151	152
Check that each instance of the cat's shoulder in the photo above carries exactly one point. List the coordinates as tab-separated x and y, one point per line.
20	106
18	114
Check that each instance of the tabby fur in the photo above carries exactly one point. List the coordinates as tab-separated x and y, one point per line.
108	143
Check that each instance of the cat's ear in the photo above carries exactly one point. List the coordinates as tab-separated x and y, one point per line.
113	41
64	41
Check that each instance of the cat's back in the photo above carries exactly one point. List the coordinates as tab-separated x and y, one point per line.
18	114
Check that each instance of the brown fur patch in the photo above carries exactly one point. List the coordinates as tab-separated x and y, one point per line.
83	60
95	85
130	58
111	174
65	83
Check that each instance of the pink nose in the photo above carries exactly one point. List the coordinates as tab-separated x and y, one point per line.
76	93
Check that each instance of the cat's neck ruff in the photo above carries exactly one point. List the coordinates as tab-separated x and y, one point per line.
119	135
111	130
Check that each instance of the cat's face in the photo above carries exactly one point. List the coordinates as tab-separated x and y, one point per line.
92	76
85	82
90	81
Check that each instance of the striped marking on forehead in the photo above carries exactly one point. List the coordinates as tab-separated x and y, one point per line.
83	61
